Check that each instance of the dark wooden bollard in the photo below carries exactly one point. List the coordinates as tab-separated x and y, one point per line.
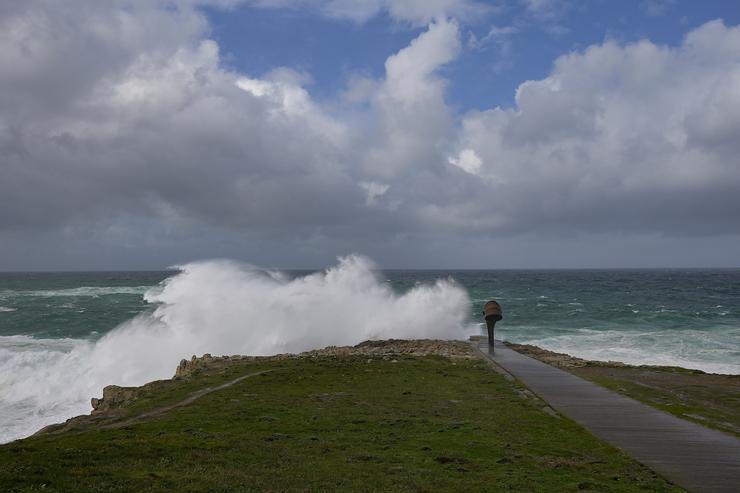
492	312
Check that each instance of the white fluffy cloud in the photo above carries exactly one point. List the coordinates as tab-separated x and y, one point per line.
114	114
468	160
635	136
409	117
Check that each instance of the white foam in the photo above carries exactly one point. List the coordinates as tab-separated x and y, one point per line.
219	307
5	309
711	351
84	291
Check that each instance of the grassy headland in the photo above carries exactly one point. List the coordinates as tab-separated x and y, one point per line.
384	416
709	399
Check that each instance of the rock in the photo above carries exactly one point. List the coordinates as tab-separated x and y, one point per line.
388	350
114	397
560	360
180	371
392	348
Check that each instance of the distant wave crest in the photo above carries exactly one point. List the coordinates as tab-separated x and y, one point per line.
83	291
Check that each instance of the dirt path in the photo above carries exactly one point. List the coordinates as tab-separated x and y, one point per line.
186	401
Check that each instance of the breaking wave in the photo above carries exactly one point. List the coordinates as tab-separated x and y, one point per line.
84	291
220	307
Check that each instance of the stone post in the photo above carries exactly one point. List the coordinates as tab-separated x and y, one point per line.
492	313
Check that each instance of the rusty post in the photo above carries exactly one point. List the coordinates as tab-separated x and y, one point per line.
492	313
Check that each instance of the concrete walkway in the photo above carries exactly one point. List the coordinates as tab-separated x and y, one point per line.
696	458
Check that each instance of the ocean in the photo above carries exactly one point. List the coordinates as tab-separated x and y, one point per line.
64	336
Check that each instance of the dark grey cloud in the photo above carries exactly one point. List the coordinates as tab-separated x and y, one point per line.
122	132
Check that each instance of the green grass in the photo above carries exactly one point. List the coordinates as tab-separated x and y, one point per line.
332	424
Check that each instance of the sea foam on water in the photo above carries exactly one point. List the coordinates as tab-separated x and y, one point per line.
219	307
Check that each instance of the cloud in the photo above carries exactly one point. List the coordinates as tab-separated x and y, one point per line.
549	14
545	9
634	137
500	39
415	12
407	118
159	123
496	35
150	135
656	8
374	191
161	129
468	161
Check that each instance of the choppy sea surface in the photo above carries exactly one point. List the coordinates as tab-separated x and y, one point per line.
63	336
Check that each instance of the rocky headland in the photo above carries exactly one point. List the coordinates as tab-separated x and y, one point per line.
112	406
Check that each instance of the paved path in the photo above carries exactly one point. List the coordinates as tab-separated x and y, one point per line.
697	458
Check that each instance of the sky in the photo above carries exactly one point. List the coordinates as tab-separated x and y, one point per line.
141	134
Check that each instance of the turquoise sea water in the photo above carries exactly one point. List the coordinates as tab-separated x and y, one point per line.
676	317
691	315
74	305
65	335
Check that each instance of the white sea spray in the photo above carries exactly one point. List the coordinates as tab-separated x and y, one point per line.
220	307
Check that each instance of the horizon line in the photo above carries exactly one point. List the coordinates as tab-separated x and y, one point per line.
384	269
